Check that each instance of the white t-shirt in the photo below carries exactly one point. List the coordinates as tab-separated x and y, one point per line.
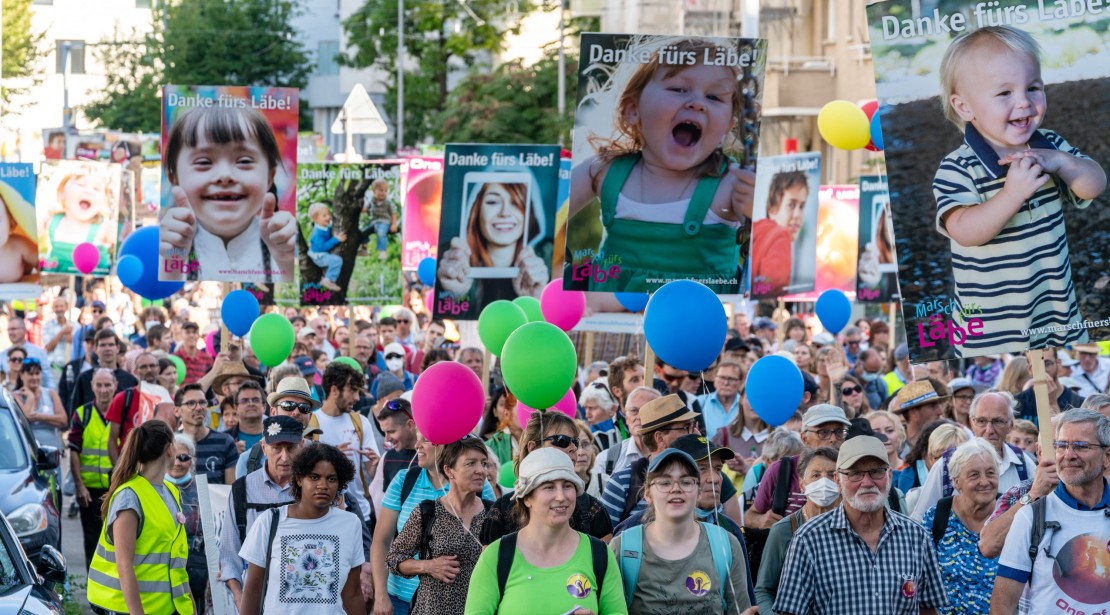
340	429
309	562
1074	575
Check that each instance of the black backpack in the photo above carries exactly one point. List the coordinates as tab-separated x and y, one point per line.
506	553
1037	530
757	537
241	505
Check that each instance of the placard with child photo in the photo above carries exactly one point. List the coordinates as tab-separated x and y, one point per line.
423	188
497	226
996	162
19	253
877	274
784	228
666	132
77	202
350	233
229	158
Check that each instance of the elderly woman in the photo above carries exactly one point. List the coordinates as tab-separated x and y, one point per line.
674	563
955	523
549	430
439	542
181	474
818	480
548	562
42	407
947	435
780	443
600	407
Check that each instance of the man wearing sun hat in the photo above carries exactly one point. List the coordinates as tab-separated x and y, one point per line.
293	398
822	569
662	421
921	405
1092	371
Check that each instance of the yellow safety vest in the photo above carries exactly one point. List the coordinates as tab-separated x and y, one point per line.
161	552
96	466
893	383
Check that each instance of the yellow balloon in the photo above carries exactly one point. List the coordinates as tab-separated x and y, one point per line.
844	125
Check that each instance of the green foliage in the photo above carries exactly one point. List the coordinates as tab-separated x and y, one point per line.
439	36
23	51
199	42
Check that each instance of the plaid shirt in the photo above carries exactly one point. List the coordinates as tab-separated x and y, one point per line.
830	569
1007	500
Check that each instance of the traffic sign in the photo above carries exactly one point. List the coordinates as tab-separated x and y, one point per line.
360	115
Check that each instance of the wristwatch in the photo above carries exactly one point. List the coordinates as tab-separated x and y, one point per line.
1026	500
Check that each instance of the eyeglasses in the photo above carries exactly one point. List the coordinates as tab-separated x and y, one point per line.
686	428
727	379
404	320
852	342
1080	446
562	441
299	406
603	373
996	423
687	483
394	356
851	390
856	476
254	401
828	434
194	404
97	310
184	458
673	377
964	397
697	376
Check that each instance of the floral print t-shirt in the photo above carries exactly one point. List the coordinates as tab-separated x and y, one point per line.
310	560
968	576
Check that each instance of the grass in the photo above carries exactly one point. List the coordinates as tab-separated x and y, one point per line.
70	602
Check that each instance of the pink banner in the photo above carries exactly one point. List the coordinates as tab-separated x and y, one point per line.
423	190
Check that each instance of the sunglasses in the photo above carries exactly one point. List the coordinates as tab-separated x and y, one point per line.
404	320
562	441
399	405
299	406
394	356
184	458
851	390
15	359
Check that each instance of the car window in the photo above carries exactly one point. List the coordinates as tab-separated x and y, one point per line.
8	575
13	452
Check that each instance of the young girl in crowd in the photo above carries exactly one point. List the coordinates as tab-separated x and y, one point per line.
223	223
143	519
82	214
664	178
303	553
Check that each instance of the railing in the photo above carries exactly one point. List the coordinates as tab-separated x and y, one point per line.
785	64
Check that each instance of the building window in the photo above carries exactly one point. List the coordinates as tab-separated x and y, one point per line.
325	58
144	4
76	64
830	15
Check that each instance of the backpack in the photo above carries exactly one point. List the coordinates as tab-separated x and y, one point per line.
940	521
506	553
757	537
631	556
1037	529
241	505
1023	472
411	476
427	518
356	419
254	459
636	476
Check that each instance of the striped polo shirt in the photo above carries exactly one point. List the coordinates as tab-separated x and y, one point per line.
1020	280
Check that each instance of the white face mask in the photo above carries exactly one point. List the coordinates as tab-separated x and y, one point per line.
394	365
151	323
822	492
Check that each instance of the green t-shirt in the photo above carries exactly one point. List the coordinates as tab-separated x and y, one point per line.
545	591
688	586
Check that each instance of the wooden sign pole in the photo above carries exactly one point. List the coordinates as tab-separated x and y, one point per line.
225	335
893	320
487	358
1044	411
589	350
649	365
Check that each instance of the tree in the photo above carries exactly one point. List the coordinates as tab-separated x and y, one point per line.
440	36
200	42
22	53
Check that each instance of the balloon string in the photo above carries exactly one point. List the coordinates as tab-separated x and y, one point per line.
446	501
716	494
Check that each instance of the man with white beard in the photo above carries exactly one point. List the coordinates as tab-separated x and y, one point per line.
822	569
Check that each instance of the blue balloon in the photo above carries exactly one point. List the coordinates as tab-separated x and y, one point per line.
143	245
774	387
129	270
633	302
426	271
876	132
685	324
239	311
834	309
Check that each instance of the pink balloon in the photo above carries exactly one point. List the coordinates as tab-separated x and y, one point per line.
562	308
567	405
85	257
447	402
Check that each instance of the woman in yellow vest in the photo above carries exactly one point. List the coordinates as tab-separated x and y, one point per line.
139	564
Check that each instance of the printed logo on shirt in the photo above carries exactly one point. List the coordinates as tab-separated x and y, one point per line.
1081	569
578	586
909	588
310	566
698	583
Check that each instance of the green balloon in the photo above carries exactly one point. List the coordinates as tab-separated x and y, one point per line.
176	360
531	307
497	322
272	339
507	478
348	361
539	364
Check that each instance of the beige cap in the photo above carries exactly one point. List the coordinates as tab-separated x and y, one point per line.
859	447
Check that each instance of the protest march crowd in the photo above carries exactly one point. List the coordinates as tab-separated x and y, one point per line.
894	488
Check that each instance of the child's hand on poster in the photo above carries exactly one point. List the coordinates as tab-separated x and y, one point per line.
743	191
869	265
279	231
1025	176
533	274
454	269
341	236
178	225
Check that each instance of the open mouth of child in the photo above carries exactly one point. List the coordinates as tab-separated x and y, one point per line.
686	134
1022	123
84	204
225	197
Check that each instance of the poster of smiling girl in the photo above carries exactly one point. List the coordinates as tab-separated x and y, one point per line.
229	157
497	226
784	232
665	138
19	254
996	164
77	202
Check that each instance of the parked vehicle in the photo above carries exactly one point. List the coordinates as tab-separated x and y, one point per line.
23	588
30	483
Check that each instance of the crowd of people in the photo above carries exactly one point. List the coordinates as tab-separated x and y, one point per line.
894	488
